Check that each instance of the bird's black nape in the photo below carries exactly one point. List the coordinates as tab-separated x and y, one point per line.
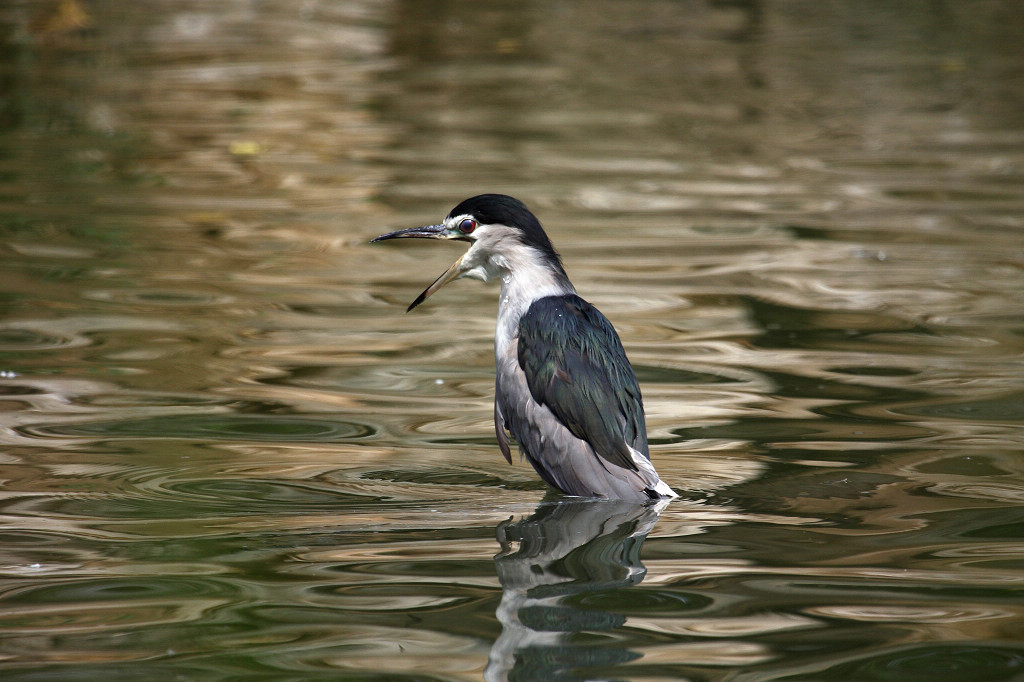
501	209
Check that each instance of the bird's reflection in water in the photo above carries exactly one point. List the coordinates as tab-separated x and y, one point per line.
566	548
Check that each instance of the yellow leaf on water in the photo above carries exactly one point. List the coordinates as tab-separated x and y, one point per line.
245	148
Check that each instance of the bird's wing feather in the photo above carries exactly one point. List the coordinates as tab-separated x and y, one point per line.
499	430
575	365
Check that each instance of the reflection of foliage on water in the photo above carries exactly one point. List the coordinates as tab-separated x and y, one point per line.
567	548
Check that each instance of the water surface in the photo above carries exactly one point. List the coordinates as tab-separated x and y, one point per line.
227	453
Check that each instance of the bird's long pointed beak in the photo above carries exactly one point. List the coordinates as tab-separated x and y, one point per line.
426	232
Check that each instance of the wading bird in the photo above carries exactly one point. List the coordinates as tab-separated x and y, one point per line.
564	388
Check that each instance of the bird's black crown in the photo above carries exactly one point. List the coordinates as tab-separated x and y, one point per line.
501	209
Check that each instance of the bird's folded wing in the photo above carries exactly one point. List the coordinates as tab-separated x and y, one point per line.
575	365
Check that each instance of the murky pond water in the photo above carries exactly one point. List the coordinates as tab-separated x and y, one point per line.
228	453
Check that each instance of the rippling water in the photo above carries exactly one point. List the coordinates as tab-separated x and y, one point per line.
227	453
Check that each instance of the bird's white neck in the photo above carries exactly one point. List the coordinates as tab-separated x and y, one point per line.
524	279
525	276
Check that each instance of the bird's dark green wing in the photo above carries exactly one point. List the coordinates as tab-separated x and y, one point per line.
576	366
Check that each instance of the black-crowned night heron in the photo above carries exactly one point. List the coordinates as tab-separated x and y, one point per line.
564	388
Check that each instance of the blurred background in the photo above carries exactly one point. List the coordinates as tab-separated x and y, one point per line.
226	451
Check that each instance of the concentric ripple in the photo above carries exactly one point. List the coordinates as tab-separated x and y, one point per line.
214	427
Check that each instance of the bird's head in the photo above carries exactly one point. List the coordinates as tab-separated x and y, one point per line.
504	237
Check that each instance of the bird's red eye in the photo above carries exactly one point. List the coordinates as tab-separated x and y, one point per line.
467	226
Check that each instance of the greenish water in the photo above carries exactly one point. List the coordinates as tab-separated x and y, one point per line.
227	453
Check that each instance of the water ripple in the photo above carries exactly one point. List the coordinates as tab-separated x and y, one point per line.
909	614
214	427
958	662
